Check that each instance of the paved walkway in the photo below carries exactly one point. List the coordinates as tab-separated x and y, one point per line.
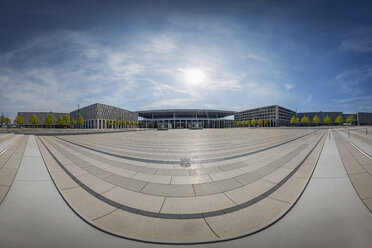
8	142
361	144
329	214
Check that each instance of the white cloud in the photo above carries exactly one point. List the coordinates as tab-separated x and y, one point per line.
358	40
288	86
256	58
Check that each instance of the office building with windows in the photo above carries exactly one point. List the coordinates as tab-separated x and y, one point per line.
275	114
100	115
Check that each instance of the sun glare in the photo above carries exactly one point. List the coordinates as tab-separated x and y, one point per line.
195	76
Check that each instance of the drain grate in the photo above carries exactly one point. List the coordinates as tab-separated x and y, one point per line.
185	162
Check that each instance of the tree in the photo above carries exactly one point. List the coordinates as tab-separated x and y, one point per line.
67	119
122	123
116	123
80	121
305	120
19	120
7	121
2	119
293	120
50	120
350	119
61	121
260	122
127	123
266	122
316	120
253	122
34	120
339	120
327	120
298	120
73	121
235	123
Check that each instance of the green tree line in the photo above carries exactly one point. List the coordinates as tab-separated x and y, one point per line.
317	121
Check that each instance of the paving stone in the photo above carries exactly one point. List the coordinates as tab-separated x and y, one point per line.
126	183
134	199
176	172
252	166
120	171
141	227
98	172
368	168
7	176
76	170
289	191
363	184
96	184
190	179
176	190
204	171
248	219
3	191
368	203
233	166
152	178
305	170
160	166
199	204
13	163
278	175
250	177
62	180
216	187
143	169
250	191
88	205
353	167
226	174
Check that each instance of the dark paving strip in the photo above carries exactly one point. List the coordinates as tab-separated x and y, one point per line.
178	161
183	216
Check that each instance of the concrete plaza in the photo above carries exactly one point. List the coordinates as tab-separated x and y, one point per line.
260	187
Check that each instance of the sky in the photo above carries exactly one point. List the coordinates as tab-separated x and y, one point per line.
228	55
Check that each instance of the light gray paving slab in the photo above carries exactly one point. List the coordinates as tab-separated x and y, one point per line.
216	187
134	199
152	178
126	183
4	145
176	190
198	204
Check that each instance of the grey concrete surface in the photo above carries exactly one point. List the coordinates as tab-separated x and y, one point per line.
329	214
4	145
365	147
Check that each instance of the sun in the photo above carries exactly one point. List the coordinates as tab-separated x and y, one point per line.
195	76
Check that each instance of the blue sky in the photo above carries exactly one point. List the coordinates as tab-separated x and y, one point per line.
304	55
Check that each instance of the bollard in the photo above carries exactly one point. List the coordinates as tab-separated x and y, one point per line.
366	131
349	133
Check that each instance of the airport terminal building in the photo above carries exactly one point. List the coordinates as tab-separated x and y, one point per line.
184	118
275	114
97	115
